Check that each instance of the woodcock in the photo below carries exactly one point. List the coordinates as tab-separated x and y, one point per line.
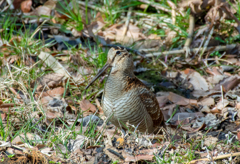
126	98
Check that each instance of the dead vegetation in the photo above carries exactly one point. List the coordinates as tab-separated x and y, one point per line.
187	52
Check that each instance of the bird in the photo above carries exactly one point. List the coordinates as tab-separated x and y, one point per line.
125	99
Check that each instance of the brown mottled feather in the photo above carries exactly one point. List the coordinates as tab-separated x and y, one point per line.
149	100
151	104
133	82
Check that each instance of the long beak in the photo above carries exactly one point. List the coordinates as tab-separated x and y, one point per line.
100	72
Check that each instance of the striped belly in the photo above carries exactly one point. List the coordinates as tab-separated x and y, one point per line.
127	108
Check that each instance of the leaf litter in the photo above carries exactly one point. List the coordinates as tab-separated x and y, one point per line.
48	116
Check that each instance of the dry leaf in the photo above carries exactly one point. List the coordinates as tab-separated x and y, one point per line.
207	102
86	105
24	138
179	100
50	80
185	115
54	93
210	141
50	61
162	100
198	82
231	83
26	6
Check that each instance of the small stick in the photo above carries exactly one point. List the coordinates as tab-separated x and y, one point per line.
156	5
182	51
206	43
129	49
216	158
128	20
190	32
116	153
173	6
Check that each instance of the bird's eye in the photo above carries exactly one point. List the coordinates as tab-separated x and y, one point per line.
118	52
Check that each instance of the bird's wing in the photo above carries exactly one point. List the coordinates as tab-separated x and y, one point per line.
148	99
152	106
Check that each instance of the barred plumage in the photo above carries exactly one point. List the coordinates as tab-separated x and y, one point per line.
126	98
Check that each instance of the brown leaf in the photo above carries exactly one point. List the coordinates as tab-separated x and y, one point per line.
192	130
238	136
25	137
51	115
179	100
45	9
207	102
238	105
214	71
86	105
130	158
17	3
42	10
231	83
162	100
198	82
8	105
52	80
54	93
210	141
14	92
221	104
26	6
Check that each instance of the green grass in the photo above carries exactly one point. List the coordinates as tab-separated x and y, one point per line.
20	76
75	18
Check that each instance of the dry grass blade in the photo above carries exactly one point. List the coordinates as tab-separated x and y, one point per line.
182	51
157	6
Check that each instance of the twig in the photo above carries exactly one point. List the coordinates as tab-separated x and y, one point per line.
216	158
116	153
129	49
156	5
190	32
182	51
128	20
173	6
206	43
204	37
221	58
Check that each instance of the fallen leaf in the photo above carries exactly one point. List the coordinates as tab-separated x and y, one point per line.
238	135
179	100
185	115
26	6
238	105
207	102
198	82
54	93
25	137
210	141
52	80
50	61
130	158
162	100
86	105
231	83
221	104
